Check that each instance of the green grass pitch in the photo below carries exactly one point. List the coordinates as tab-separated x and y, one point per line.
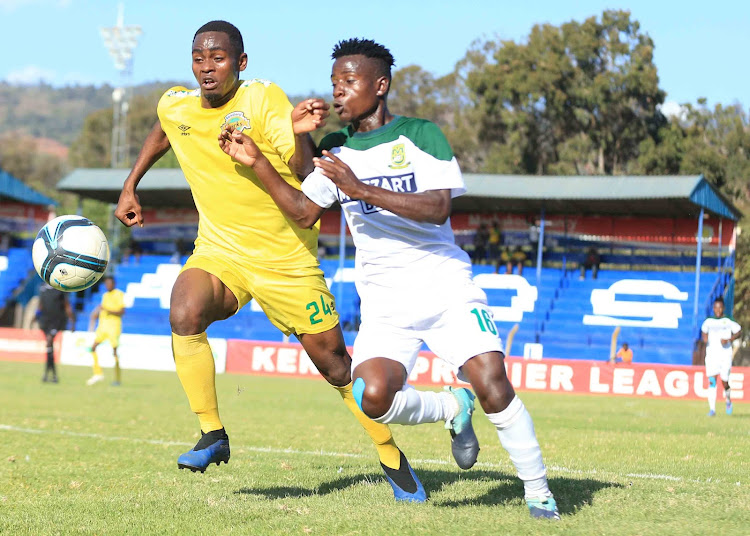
102	460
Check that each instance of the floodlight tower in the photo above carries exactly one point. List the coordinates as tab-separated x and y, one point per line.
121	40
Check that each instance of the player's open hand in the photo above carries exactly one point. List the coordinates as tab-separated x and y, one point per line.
239	146
128	209
341	174
309	115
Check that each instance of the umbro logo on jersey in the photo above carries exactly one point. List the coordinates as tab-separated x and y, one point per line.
398	183
184	129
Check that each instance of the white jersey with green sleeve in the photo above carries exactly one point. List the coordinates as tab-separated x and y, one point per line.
396	254
718	329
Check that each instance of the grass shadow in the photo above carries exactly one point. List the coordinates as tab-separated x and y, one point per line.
572	494
294	492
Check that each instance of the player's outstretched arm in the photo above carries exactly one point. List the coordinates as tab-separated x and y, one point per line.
307	116
92	318
128	209
432	206
291	201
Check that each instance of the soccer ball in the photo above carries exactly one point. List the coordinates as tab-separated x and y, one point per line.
70	253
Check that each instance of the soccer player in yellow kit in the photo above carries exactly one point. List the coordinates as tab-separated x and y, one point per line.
246	247
109	329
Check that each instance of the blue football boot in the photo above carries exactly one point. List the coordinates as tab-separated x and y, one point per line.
211	448
544	508
406	486
464	442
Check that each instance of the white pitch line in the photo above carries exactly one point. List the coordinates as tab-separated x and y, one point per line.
271	450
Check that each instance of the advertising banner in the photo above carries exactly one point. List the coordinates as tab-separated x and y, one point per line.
143	352
546	375
25	345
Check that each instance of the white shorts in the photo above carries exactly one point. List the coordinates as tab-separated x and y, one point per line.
719	366
455	334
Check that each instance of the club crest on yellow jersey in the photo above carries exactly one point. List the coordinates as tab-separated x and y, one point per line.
237	120
398	157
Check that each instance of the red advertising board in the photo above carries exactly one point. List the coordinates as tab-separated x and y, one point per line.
22	219
547	375
25	345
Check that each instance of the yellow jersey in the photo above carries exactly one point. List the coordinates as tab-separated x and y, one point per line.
114	300
236	214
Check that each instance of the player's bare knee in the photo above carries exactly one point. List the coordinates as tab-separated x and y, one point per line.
377	398
187	319
490	381
335	370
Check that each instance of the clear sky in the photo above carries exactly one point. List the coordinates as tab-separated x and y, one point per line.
701	46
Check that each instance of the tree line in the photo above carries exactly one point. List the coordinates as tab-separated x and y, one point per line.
581	98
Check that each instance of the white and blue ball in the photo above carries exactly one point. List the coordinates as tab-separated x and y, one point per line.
70	253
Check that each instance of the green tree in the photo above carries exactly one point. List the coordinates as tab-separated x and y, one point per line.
92	148
20	157
576	98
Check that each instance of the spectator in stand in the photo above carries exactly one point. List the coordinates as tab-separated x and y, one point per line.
481	237
590	262
534	236
494	241
322	250
516	257
133	248
4	243
181	249
624	354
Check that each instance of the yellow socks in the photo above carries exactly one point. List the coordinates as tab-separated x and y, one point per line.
117	369
97	368
196	370
380	434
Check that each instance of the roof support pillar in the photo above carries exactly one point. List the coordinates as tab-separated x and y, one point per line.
539	248
698	255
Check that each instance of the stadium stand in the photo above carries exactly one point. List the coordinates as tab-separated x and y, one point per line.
20	261
644	228
652	308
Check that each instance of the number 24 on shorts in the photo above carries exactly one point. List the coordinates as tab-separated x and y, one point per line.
485	320
327	310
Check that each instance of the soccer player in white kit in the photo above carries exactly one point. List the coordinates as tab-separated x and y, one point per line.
395	178
718	333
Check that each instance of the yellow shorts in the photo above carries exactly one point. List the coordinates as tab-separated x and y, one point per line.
295	300
107	334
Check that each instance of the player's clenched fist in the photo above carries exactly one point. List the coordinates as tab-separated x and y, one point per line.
128	209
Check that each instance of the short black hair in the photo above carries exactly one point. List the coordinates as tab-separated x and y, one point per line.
235	37
720	300
108	277
367	48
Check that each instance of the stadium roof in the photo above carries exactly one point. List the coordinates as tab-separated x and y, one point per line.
625	195
13	189
655	196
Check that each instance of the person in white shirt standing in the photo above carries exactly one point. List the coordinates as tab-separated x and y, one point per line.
719	332
394	177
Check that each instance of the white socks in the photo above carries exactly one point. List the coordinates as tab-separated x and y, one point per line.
516	432
514	428
417	407
712	398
